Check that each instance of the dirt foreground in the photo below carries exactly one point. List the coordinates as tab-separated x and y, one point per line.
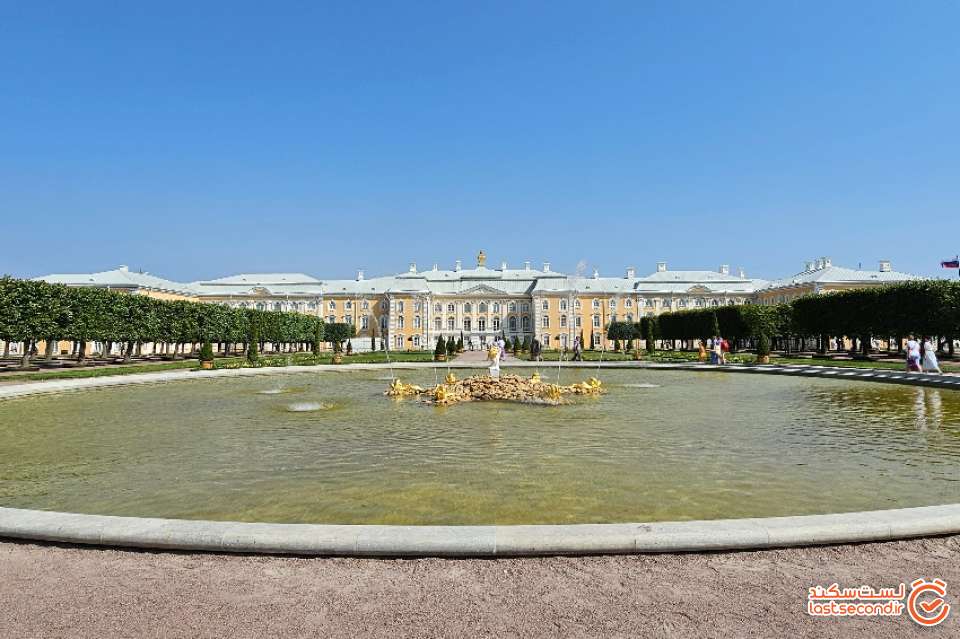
54	591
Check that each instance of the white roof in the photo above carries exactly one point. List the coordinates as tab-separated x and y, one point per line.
119	278
841	275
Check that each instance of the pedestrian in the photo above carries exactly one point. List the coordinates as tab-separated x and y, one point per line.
577	350
913	355
716	350
702	352
930	363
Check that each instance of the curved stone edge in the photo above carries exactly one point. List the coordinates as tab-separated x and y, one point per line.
9	391
478	541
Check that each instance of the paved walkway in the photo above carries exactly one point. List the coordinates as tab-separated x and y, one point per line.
52	591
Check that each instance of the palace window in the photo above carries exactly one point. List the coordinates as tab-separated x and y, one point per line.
383	323
260	306
466	323
483	307
398	340
332	305
365	322
312	306
563	321
468	308
563	305
438	323
399	321
649	302
417	322
482	324
513	307
715	303
613	302
417	306
332	319
416	341
698	301
628	303
681	303
525	323
525	307
546	340
365	305
578	322
596	321
451	323
438	308
399	307
630	318
348	305
576	305
496	307
545	305
451	308
513	324
596	305
496	323
545	321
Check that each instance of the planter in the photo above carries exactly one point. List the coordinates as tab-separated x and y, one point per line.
337	358
763	359
637	355
439	358
206	365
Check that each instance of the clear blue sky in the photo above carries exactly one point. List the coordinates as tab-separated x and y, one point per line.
202	139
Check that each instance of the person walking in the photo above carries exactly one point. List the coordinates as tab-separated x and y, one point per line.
577	350
535	350
716	350
913	355
930	363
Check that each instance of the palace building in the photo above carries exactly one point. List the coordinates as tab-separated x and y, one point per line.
408	311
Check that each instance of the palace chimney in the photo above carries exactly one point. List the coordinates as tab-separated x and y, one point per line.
808	266
526	266
631	273
661	267
503	265
457	266
596	274
546	267
885	266
360	275
742	273
724	269
826	261
413	267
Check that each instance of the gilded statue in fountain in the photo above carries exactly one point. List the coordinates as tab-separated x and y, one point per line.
511	388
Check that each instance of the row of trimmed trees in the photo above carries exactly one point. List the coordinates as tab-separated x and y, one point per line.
893	312
34	311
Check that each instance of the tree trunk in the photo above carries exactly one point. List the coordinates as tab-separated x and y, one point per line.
6	348
25	357
49	350
81	350
107	347
128	352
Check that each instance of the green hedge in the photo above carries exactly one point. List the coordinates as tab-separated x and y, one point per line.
33	310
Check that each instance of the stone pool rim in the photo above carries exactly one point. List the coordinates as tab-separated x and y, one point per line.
484	540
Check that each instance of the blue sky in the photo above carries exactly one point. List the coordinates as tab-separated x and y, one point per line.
195	140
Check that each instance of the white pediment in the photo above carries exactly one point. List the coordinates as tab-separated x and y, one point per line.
483	289
699	288
259	290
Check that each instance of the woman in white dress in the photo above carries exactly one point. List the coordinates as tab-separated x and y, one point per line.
930	364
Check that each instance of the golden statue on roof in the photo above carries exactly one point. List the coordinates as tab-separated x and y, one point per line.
482	259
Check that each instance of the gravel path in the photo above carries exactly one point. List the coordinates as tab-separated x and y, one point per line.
54	591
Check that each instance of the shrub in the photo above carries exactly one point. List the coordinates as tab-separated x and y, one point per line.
441	348
349	347
763	345
451	346
525	346
253	344
206	351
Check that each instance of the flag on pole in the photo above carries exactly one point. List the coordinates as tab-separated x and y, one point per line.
954	263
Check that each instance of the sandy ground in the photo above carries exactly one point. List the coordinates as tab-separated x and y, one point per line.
54	591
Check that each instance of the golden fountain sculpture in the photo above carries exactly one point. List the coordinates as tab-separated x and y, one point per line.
510	388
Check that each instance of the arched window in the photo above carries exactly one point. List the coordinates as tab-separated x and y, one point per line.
332	305
332	319
277	306
482	324
348	305
399	307
468	308
525	323
483	307
496	323
596	304
613	302
466	323
563	305
513	324
416	341
496	307
545	305
451	323
365	305
576	304
260	306
628	303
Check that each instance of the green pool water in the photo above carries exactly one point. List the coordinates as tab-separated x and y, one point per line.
661	445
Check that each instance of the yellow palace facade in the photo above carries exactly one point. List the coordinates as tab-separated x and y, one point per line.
409	310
